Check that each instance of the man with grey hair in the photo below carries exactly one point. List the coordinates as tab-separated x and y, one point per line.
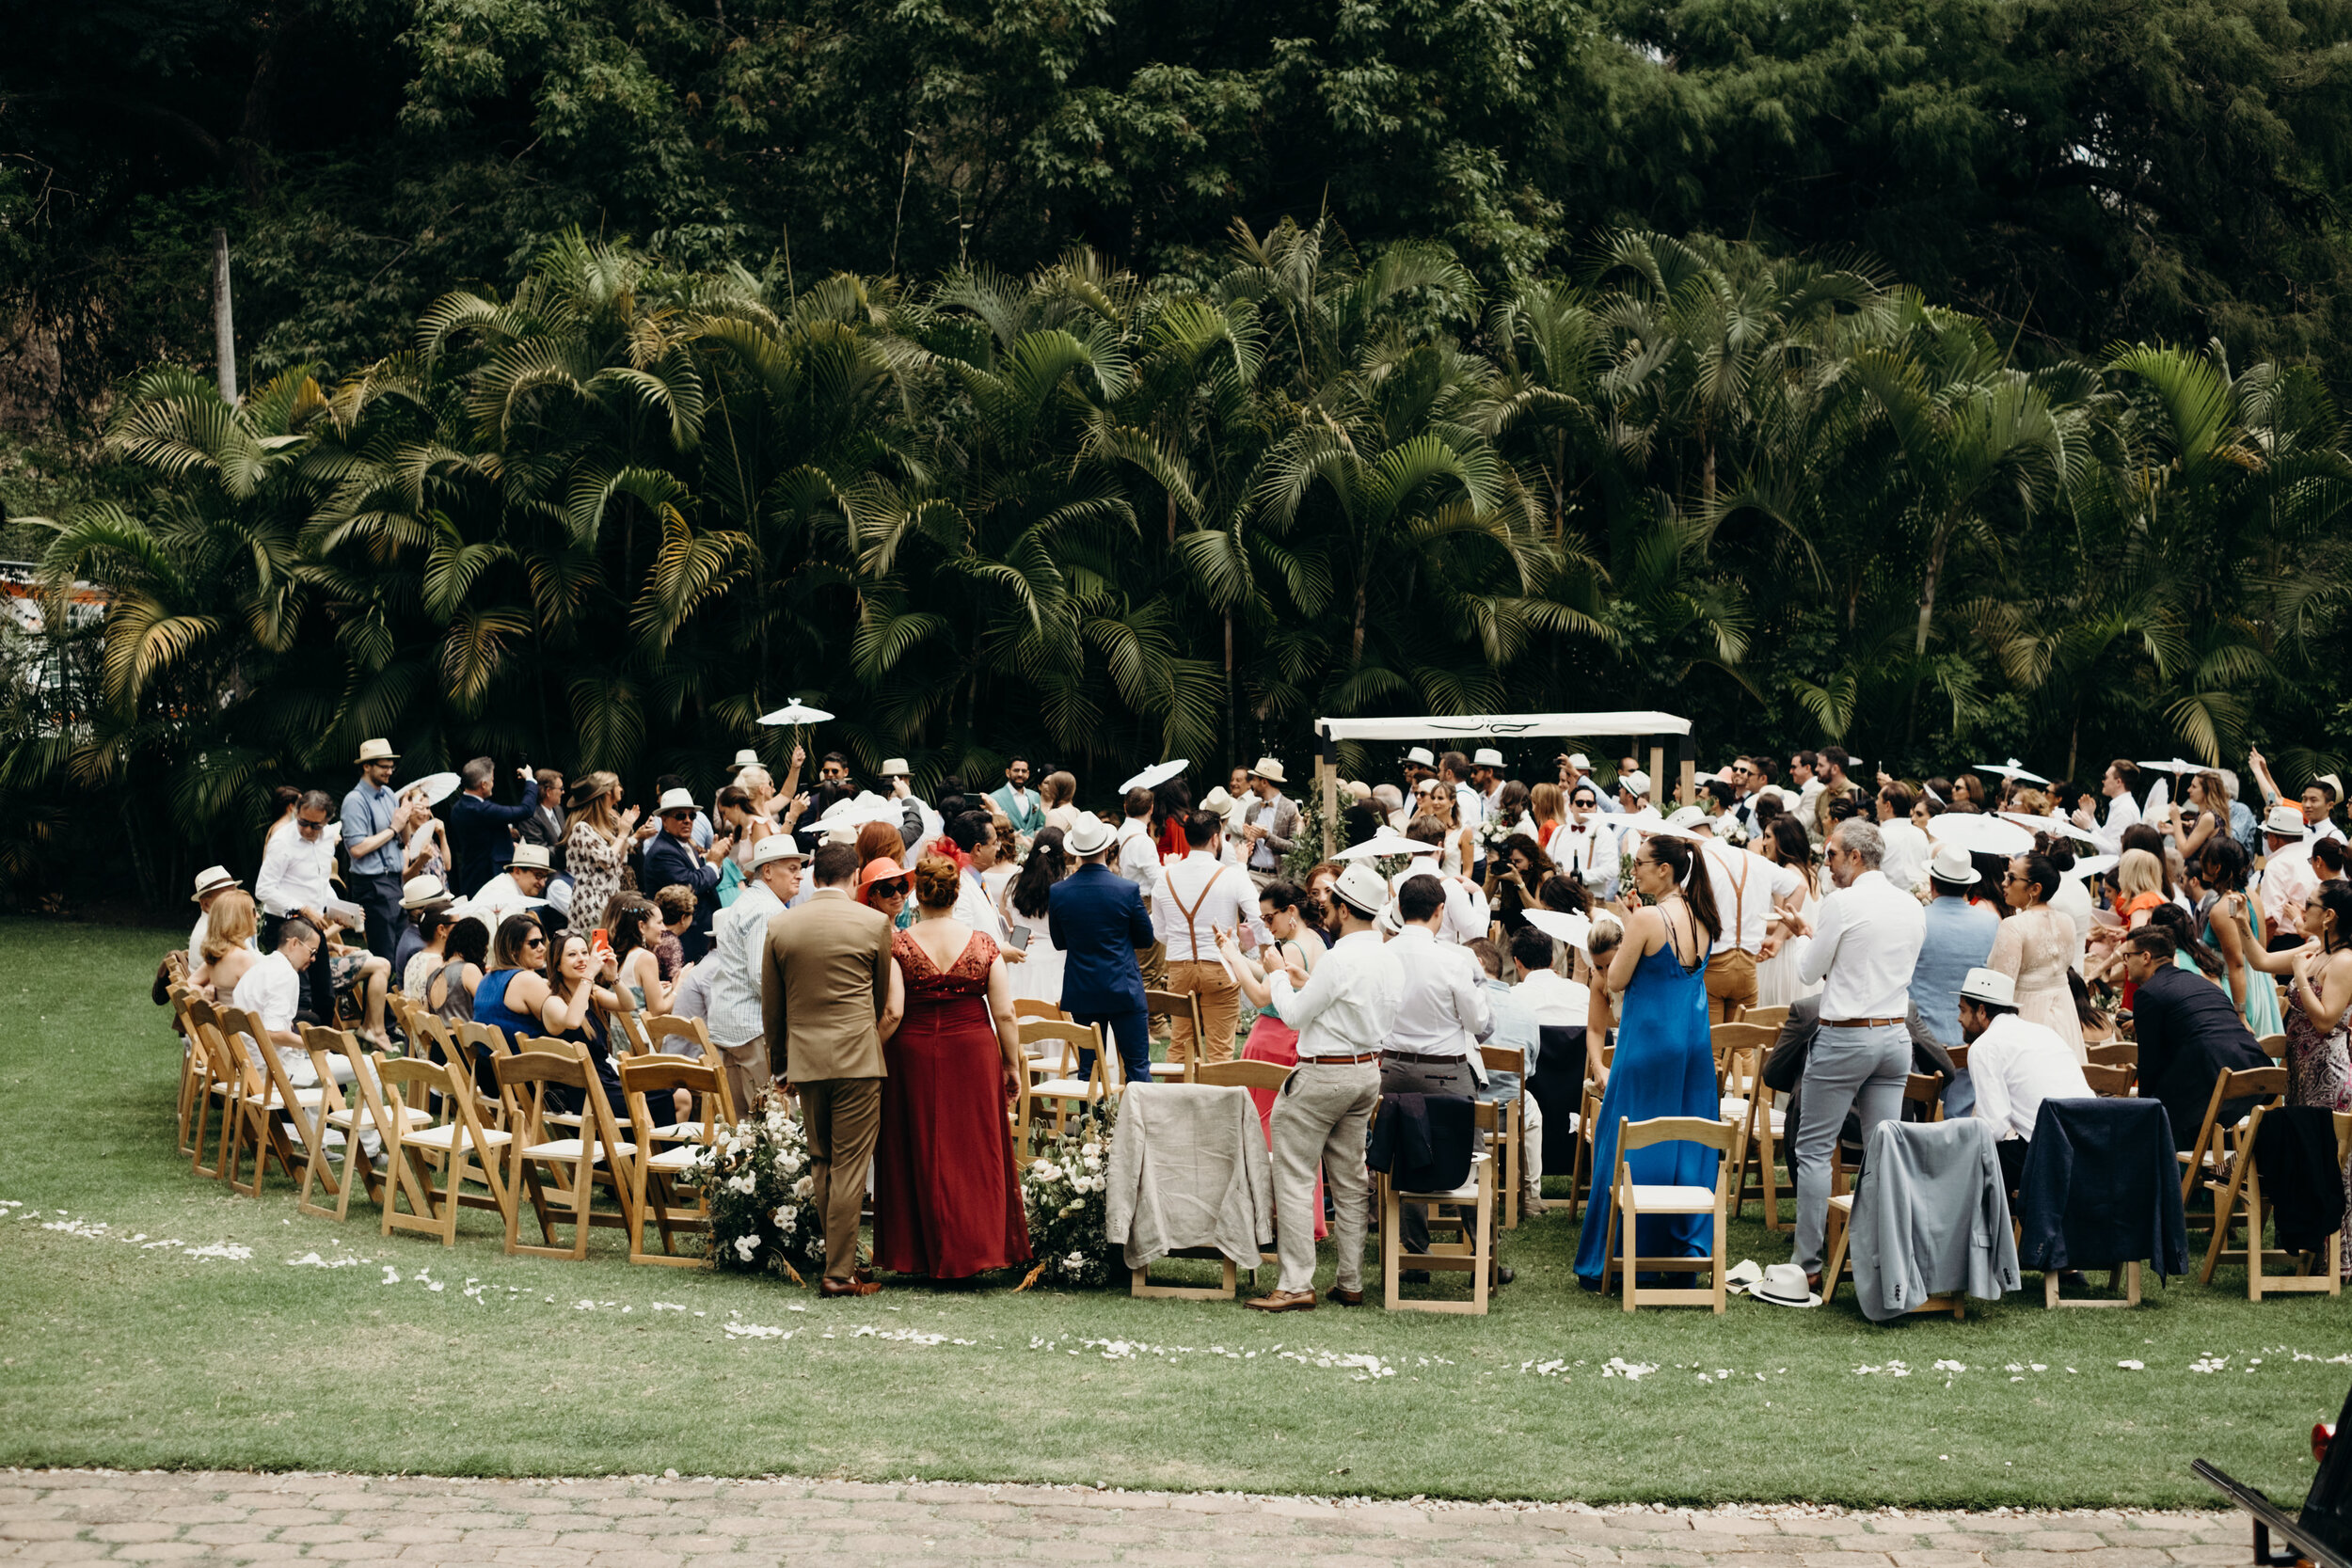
1866	945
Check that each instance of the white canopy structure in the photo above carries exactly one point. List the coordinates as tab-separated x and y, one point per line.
1501	725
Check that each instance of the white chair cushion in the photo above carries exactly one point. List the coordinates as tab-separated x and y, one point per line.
443	1137
1064	1088
568	1149
1646	1199
1167	1070
302	1097
1466	1193
677	1132
414	1115
681	1158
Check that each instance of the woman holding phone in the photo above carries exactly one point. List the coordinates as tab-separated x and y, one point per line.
1023	904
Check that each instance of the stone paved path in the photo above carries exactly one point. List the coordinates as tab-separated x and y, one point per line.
81	1515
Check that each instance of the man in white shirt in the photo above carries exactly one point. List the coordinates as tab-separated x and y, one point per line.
1441	1016
271	991
901	780
2117	785
1803	773
1138	852
522	886
1584	846
2288	881
1197	898
2014	1065
295	864
1633	810
738	943
1453	773
1487	777
1345	1013
1550	996
1748	889
1865	947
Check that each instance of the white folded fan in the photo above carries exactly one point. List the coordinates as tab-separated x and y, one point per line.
1156	775
1563	926
436	787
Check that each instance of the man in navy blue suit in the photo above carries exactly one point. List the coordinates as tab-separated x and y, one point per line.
1097	918
481	832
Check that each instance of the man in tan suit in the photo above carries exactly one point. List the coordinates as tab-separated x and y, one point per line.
830	994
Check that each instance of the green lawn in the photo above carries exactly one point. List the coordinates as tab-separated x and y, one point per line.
137	1355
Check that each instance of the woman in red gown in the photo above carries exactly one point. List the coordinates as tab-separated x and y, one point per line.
946	1192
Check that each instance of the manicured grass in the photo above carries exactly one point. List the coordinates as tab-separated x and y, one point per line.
132	1354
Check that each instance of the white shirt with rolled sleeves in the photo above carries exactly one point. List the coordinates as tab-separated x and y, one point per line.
1349	1006
2287	884
1221	898
1466	912
1746	888
1442	1008
2122	812
1554	999
739	943
2015	1066
294	872
1138	853
1865	946
1587	852
271	989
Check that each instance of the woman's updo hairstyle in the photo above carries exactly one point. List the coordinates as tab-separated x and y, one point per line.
937	882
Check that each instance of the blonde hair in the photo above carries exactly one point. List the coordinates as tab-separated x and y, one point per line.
2139	872
227	924
756	781
1548	801
598	813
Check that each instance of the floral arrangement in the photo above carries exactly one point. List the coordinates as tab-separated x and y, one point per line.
763	1206
1493	831
1064	1191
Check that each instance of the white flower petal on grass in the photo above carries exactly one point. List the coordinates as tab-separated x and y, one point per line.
2132	1365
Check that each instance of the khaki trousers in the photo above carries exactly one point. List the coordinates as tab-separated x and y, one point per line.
842	1118
1730	985
746	1070
1320	1118
1220	1009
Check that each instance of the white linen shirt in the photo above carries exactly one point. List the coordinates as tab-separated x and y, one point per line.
2016	1065
1907	854
1227	900
1442	1009
1746	888
2287	884
1467	911
2122	812
1587	852
1554	999
739	941
1138	853
1865	947
270	990
294	874
1349	1006
498	898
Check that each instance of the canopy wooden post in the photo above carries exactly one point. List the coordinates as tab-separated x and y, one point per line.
1327	778
1657	780
1688	788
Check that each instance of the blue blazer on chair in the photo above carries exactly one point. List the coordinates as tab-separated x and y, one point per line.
1098	920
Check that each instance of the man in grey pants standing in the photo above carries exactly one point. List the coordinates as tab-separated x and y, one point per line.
1863	950
1344	1012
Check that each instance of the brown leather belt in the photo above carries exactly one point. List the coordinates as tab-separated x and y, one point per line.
1860	1022
1339	1061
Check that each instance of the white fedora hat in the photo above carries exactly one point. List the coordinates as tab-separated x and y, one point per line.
896	768
1952	866
675	800
212	879
2285	820
1269	769
417	891
1579	761
1419	756
777	846
376	750
529	857
747	757
1784	1285
1990	985
1362	889
1485	757
1636	782
1090	835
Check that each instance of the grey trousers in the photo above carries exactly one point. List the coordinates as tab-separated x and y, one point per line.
1859	1070
1320	1118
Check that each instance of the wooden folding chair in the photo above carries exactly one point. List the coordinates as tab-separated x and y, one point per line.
336	1121
1473	1211
1185	1005
1513	1126
2208	1156
482	1042
1762	1128
268	1096
187	1008
689	1037
220	1088
1242	1074
1066	1095
524	1080
1744	1036
1635	1199
2110	1082
1767	1018
1037	1006
2240	1201
403	1087
2114	1053
1588	1116
630	1029
2274	1047
671	1151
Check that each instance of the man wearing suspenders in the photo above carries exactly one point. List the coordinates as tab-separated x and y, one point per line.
1197	898
1748	889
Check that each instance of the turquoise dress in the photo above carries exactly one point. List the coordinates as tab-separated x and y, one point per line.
2262	992
1664	1067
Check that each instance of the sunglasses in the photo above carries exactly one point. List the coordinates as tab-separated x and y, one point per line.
534	942
310	827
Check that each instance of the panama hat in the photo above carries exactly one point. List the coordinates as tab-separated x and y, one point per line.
2284	821
1418	757
1485	757
776	846
417	891
1221	803
1952	867
212	879
376	750
896	768
1090	835
1990	985
529	857
1635	782
1784	1285
747	757
1268	770
675	799
1362	889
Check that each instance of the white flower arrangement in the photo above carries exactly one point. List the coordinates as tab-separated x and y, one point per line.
1065	1192
763	1211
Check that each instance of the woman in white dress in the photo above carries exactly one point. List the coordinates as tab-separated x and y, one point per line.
1023	904
1776	984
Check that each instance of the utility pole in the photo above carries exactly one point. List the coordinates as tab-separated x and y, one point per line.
224	327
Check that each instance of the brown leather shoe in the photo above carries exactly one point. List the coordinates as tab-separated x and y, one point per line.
831	1287
1285	1301
1345	1298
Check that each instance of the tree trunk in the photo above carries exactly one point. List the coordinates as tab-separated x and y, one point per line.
257	127
1559	484
1356	643
1171	519
1230	753
224	321
1927	589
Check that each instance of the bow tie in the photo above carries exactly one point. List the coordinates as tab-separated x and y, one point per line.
1578	827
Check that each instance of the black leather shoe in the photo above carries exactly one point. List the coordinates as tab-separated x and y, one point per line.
1345	1298
1505	1275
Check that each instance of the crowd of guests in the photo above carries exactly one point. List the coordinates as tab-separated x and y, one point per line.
865	947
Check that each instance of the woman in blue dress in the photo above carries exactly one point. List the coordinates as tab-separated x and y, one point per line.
1666	1061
